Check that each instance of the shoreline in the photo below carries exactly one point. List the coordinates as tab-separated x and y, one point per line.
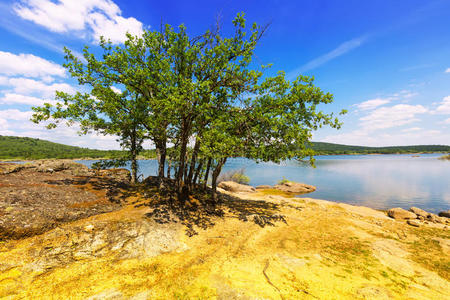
90	158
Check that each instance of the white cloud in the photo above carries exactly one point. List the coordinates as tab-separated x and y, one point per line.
28	86
412	129
444	106
86	17
387	117
446	121
403	95
373	103
15	114
447	71
28	65
393	138
11	98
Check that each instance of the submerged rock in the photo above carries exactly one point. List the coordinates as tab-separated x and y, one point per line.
400	213
231	186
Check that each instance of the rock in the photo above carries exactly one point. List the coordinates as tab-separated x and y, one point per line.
445	214
435	219
401	214
263	187
119	174
419	212
420	218
236	187
414	223
295	187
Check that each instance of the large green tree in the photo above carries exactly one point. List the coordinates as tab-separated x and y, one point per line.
204	96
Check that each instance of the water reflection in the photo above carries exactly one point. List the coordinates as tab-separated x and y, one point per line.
377	181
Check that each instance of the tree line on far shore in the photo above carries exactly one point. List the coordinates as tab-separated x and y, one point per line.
25	148
198	99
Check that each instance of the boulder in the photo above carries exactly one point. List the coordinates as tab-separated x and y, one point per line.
419	212
264	187
236	187
414	223
445	213
401	214
295	187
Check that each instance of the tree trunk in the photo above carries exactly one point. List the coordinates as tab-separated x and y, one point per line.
208	167
161	155
197	172
133	157
193	161
182	164
169	165
215	175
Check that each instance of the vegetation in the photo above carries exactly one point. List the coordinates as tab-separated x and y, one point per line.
234	175
204	91
330	149
445	157
24	148
283	181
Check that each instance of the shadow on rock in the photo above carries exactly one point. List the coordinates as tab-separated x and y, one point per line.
200	212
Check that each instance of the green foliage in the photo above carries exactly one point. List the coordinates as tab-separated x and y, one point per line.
283	181
237	176
23	148
333	149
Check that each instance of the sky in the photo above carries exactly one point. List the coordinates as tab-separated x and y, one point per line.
386	62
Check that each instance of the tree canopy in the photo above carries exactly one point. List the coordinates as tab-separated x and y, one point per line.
199	100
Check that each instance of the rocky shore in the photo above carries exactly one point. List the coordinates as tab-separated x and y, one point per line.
260	243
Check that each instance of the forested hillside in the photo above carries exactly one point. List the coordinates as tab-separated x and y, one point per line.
21	148
329	148
12	147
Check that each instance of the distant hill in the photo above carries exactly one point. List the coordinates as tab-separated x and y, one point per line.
23	148
329	148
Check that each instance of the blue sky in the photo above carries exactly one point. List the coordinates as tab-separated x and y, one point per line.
386	62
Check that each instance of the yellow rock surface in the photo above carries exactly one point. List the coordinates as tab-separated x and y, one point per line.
325	251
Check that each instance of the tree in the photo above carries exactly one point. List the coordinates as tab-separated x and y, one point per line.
202	95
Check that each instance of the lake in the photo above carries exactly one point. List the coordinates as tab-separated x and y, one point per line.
377	181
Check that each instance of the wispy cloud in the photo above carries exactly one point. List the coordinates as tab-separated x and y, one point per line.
447	71
338	51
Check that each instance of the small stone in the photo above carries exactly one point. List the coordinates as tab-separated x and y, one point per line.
413	223
89	228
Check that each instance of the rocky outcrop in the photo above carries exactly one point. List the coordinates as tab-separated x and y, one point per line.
36	197
400	213
445	214
263	187
295	187
234	187
121	239
419	212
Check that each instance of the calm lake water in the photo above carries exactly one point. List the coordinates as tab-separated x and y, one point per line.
377	181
